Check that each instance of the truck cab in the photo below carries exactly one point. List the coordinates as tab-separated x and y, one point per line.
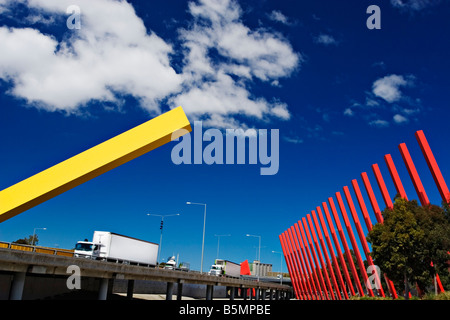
86	249
216	270
171	263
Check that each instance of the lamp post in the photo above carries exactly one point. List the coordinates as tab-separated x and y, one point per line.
281	265
161	228
204	224
259	252
218	241
34	234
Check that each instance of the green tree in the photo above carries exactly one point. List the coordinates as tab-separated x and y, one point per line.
409	239
28	240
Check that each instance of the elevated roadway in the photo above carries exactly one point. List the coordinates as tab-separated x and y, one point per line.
23	263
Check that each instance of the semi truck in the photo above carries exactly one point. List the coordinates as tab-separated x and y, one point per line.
111	246
225	267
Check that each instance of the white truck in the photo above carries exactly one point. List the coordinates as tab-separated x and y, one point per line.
225	267
111	246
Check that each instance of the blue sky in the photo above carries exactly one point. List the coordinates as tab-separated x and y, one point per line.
341	95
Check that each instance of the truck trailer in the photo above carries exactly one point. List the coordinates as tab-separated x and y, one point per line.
226	268
111	246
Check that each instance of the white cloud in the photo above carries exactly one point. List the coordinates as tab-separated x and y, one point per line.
219	87
388	87
278	16
379	123
113	54
398	118
348	112
414	5
295	140
325	39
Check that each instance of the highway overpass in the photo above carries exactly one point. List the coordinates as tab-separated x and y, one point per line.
21	265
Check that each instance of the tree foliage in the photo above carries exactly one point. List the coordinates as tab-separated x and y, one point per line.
28	240
410	238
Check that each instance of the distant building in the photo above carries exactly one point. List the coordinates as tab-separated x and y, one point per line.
262	268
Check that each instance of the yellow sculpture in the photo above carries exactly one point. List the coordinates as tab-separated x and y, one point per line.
92	163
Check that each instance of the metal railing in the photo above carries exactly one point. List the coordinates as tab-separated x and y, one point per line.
38	249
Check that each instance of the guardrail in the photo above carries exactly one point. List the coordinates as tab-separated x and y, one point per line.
38	249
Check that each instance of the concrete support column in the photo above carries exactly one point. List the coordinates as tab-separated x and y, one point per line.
17	285
180	290
244	293
256	293
209	292
169	291
263	294
103	290
232	293
130	289
271	294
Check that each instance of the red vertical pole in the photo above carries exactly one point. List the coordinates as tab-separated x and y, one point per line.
297	264
292	271
395	177
311	263
382	186
359	229
325	253
346	248
287	259
414	175
435	172
362	204
353	241
433	166
306	285
308	268
377	211
373	200
322	263
316	262
419	189
339	251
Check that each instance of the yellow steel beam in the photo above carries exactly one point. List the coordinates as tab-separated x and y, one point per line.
92	163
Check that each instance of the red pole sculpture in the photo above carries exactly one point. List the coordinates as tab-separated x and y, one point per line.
320	255
373	200
379	217
346	248
353	242
308	263
297	265
382	186
322	285
306	274
419	189
414	175
432	164
339	251
291	265
395	177
359	229
325	253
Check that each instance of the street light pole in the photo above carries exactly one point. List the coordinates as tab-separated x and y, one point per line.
259	252
204	225
160	237
281	265
218	241
34	234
